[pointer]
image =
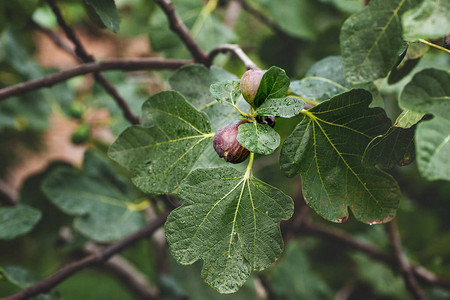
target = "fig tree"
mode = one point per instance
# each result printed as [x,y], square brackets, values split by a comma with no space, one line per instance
[227,146]
[249,85]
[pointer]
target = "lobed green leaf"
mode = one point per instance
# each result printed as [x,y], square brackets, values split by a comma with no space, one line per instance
[326,148]
[162,155]
[102,201]
[230,220]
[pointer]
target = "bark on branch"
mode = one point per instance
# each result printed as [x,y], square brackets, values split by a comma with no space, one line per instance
[236,50]
[178,27]
[68,270]
[87,58]
[404,266]
[132,64]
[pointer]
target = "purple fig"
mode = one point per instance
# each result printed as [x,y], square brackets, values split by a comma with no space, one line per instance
[249,85]
[227,146]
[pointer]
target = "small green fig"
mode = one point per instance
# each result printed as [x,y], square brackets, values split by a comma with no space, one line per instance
[227,146]
[249,85]
[81,134]
[76,110]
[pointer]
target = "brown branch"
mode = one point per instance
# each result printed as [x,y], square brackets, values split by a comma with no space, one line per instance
[7,195]
[132,64]
[70,269]
[178,27]
[134,279]
[56,40]
[87,58]
[404,266]
[340,237]
[236,50]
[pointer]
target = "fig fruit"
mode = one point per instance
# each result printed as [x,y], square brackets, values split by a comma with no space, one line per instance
[249,85]
[227,146]
[267,120]
[81,134]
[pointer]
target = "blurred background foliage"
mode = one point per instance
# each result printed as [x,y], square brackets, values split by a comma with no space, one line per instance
[36,131]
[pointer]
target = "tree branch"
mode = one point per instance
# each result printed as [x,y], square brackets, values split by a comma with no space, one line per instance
[340,237]
[236,50]
[87,58]
[68,270]
[403,264]
[132,64]
[178,27]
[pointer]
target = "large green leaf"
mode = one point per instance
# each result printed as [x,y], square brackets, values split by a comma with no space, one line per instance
[433,148]
[371,39]
[194,83]
[162,155]
[106,11]
[233,227]
[326,148]
[103,202]
[281,107]
[326,79]
[258,138]
[428,92]
[429,20]
[274,84]
[395,147]
[18,220]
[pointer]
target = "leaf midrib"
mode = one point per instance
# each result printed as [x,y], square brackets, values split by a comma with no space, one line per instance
[347,165]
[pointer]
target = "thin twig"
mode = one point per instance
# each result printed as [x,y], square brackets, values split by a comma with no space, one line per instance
[68,270]
[340,237]
[132,64]
[134,279]
[236,50]
[87,58]
[7,194]
[404,266]
[57,40]
[178,27]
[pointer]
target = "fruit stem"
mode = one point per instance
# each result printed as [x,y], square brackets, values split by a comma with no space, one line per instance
[240,111]
[309,101]
[308,114]
[249,166]
[434,45]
